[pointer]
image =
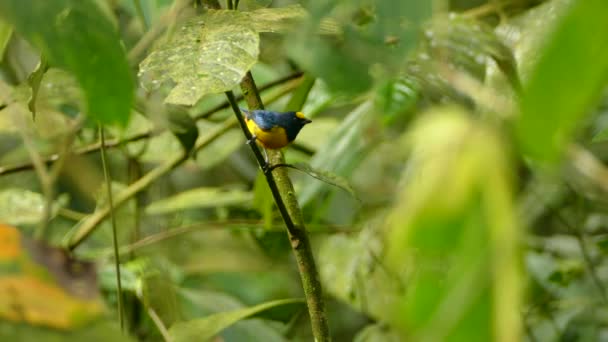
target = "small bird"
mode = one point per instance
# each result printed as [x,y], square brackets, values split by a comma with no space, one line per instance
[274,130]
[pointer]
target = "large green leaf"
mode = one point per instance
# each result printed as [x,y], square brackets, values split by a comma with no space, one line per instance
[211,53]
[77,35]
[454,233]
[362,34]
[570,74]
[205,328]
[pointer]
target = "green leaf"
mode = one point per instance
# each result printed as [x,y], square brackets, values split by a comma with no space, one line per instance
[344,149]
[324,176]
[209,54]
[395,97]
[263,201]
[567,80]
[6,31]
[454,222]
[468,44]
[219,149]
[200,198]
[382,37]
[205,328]
[376,333]
[183,126]
[19,206]
[77,35]
[34,81]
[275,19]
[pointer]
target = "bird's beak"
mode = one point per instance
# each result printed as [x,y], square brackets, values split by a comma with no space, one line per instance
[307,121]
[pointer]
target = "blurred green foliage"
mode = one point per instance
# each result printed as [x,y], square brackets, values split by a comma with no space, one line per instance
[472,134]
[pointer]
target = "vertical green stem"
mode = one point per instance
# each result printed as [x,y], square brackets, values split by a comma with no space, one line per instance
[286,201]
[108,181]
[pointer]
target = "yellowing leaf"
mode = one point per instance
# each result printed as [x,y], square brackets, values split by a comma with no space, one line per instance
[42,285]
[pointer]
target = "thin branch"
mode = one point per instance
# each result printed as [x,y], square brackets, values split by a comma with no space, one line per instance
[9,169]
[284,196]
[108,180]
[160,325]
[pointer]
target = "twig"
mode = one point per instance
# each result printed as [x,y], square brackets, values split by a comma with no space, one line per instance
[284,196]
[108,180]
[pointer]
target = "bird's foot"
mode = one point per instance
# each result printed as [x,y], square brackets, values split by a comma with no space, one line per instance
[252,140]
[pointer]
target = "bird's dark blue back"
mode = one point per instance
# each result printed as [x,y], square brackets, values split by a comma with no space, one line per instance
[266,120]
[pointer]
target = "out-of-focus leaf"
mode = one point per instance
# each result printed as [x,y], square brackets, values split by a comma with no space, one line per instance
[344,149]
[263,201]
[300,95]
[353,271]
[198,304]
[382,40]
[219,149]
[395,97]
[184,128]
[161,147]
[454,222]
[34,81]
[19,206]
[6,31]
[83,41]
[59,92]
[376,333]
[101,330]
[43,285]
[568,78]
[469,44]
[200,198]
[275,19]
[205,328]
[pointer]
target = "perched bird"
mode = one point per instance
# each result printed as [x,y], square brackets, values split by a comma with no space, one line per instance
[274,130]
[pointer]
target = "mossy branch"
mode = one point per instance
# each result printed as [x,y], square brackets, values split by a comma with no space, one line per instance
[284,196]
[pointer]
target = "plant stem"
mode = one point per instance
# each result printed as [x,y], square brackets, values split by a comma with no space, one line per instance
[108,181]
[286,201]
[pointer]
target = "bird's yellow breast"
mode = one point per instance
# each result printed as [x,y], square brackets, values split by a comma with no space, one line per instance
[275,138]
